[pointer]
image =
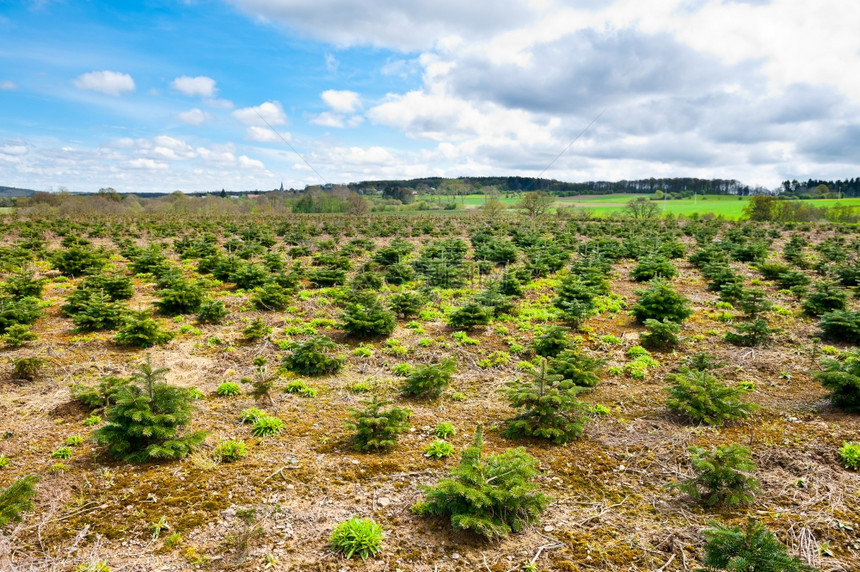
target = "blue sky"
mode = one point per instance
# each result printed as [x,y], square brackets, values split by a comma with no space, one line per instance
[159,96]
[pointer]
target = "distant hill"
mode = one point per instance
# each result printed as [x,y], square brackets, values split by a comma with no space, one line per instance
[7,192]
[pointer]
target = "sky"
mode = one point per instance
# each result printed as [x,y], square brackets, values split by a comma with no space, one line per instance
[200,95]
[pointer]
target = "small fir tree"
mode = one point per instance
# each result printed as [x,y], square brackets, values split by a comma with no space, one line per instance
[750,549]
[723,476]
[407,304]
[843,381]
[552,341]
[551,409]
[377,428]
[429,380]
[661,335]
[148,419]
[470,315]
[365,316]
[312,357]
[703,398]
[661,302]
[576,366]
[491,496]
[841,326]
[17,498]
[826,297]
[141,330]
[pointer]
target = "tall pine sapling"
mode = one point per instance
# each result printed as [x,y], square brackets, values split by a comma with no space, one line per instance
[490,496]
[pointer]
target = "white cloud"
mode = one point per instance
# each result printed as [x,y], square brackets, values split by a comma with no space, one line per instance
[147,164]
[200,86]
[7,85]
[247,163]
[13,149]
[327,119]
[264,134]
[193,116]
[341,101]
[331,63]
[400,25]
[270,111]
[109,82]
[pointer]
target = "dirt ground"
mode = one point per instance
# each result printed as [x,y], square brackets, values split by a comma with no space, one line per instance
[275,509]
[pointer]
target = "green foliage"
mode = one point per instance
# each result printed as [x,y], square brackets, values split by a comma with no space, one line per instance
[23,284]
[843,380]
[841,326]
[311,357]
[661,302]
[4,461]
[439,450]
[17,498]
[654,267]
[271,297]
[148,420]
[753,549]
[491,497]
[703,398]
[300,387]
[74,440]
[575,366]
[180,296]
[469,315]
[79,260]
[751,334]
[93,310]
[19,334]
[251,415]
[102,396]
[444,430]
[552,341]
[377,428]
[826,297]
[228,389]
[575,297]
[361,536]
[429,380]
[661,335]
[256,330]
[365,316]
[229,451]
[722,476]
[141,330]
[18,311]
[62,453]
[267,426]
[27,367]
[551,409]
[849,454]
[753,302]
[211,312]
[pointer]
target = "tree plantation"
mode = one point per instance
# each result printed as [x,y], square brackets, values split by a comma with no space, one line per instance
[455,391]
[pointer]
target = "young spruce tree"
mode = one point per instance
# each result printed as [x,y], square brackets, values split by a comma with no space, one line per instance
[491,496]
[148,419]
[551,409]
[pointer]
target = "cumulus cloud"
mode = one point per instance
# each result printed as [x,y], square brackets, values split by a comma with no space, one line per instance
[404,26]
[341,101]
[200,86]
[246,162]
[193,116]
[269,112]
[147,164]
[109,82]
[264,134]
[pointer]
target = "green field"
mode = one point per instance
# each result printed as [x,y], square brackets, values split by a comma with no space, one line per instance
[729,206]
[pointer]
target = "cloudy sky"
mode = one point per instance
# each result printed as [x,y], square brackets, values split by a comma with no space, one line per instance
[207,94]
